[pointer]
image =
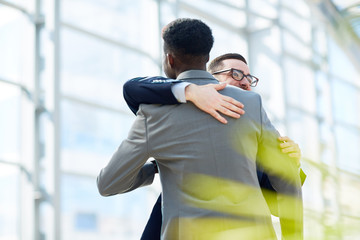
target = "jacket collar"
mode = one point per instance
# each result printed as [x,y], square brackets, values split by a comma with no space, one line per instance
[199,77]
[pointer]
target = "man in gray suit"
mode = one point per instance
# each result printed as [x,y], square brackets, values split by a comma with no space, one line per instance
[207,169]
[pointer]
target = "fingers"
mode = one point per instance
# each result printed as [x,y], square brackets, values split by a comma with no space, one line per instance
[232,101]
[226,111]
[228,99]
[285,138]
[233,108]
[218,117]
[208,99]
[291,148]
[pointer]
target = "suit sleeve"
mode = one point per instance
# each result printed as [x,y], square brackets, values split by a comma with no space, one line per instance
[123,172]
[148,90]
[284,177]
[144,178]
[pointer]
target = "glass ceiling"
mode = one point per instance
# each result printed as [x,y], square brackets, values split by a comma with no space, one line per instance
[350,11]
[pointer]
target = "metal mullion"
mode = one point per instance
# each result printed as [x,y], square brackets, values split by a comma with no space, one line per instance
[283,72]
[21,86]
[293,12]
[15,6]
[56,200]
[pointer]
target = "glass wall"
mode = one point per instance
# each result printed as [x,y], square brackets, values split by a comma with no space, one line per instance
[62,67]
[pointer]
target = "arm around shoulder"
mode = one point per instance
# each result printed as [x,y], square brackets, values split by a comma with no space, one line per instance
[148,90]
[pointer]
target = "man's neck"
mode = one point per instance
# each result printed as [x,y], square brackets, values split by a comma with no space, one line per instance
[188,68]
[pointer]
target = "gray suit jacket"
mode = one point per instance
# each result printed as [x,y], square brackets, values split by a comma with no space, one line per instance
[207,169]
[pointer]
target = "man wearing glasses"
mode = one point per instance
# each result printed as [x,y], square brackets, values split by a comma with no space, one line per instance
[236,71]
[229,68]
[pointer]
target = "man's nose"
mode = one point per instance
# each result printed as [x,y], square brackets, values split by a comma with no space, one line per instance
[244,83]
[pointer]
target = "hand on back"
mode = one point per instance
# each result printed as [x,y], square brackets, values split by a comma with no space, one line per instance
[207,99]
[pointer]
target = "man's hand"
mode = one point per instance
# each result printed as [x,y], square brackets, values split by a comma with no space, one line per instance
[207,99]
[291,148]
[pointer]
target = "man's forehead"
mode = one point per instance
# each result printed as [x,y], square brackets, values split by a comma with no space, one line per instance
[234,63]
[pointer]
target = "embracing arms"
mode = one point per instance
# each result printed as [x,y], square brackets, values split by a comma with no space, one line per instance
[159,90]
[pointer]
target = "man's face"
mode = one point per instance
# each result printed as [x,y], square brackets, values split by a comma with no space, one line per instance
[226,76]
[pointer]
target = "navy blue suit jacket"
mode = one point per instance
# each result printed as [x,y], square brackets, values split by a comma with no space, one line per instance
[157,90]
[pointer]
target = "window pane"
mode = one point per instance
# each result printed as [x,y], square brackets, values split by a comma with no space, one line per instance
[114,23]
[345,98]
[264,8]
[300,7]
[264,64]
[306,132]
[16,46]
[95,70]
[324,107]
[320,42]
[87,215]
[225,44]
[348,142]
[300,85]
[341,66]
[90,136]
[312,193]
[9,122]
[225,13]
[350,195]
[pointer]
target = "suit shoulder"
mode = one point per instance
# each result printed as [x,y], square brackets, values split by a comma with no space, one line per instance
[236,91]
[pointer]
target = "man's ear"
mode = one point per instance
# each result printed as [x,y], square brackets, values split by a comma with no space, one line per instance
[170,60]
[207,58]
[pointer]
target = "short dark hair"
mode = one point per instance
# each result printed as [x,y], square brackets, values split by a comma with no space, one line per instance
[217,62]
[188,37]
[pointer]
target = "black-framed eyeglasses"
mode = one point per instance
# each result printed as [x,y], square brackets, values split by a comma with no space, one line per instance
[239,75]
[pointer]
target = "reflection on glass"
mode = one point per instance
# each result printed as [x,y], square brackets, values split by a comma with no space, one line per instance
[9,122]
